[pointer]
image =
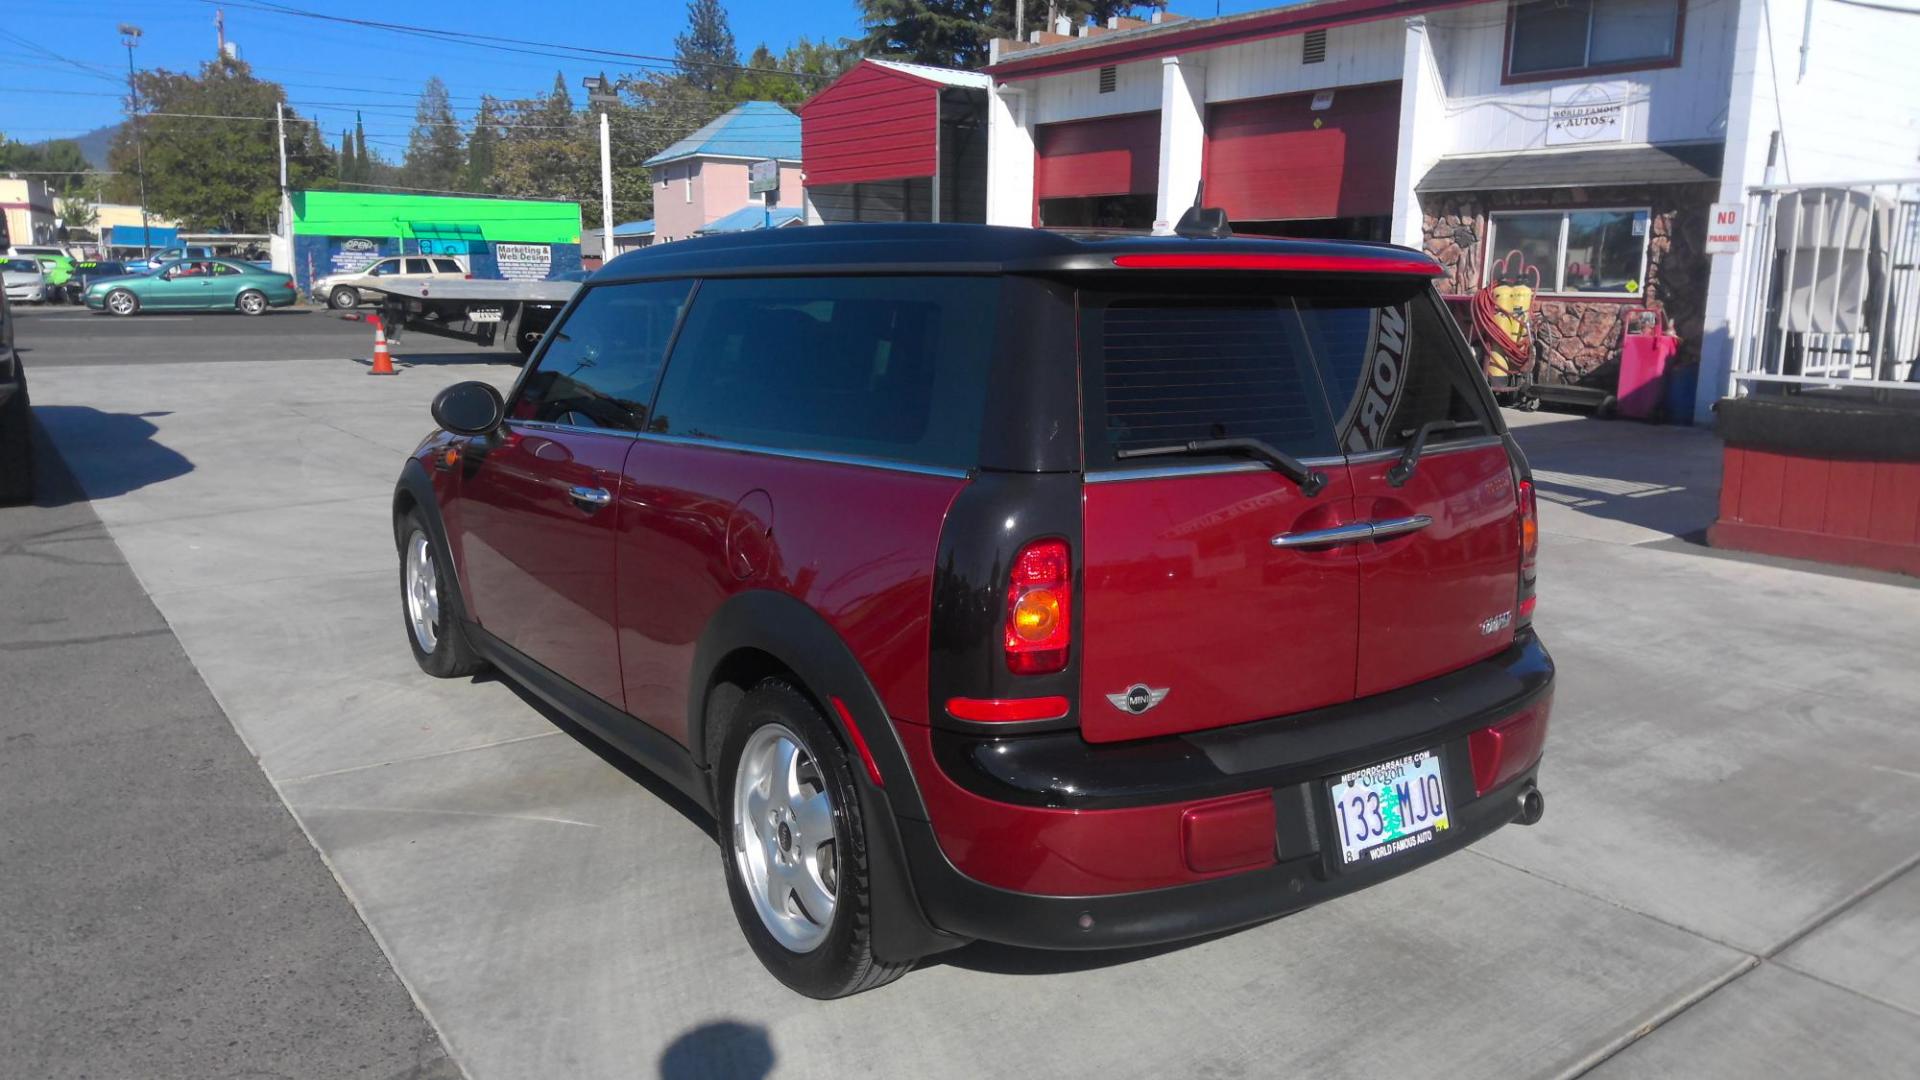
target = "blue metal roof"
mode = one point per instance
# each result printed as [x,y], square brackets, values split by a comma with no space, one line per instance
[749,218]
[634,228]
[129,236]
[753,129]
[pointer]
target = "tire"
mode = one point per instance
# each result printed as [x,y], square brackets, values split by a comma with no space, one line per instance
[343,297]
[429,604]
[123,302]
[821,960]
[251,302]
[16,445]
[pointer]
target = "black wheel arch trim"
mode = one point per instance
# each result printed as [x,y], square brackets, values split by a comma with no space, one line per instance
[805,644]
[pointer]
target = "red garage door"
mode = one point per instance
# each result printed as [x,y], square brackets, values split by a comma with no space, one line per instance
[1268,161]
[1114,155]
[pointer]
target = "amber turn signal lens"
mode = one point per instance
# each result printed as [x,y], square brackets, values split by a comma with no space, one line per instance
[1036,614]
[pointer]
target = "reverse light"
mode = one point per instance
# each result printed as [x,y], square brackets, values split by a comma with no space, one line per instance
[1039,609]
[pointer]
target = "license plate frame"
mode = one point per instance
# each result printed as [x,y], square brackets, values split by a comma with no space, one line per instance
[1389,807]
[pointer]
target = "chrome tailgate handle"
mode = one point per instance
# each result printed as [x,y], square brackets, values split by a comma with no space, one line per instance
[1400,526]
[1339,534]
[1351,533]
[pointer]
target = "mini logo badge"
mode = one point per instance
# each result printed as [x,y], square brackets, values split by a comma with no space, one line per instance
[1497,623]
[1138,698]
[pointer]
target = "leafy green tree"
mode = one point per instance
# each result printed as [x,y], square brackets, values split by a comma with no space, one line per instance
[705,55]
[793,76]
[216,173]
[62,161]
[436,156]
[955,33]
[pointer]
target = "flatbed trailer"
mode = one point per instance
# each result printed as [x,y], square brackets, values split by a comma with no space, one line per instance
[505,315]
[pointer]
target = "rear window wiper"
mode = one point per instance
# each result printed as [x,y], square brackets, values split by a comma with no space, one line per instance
[1310,480]
[1410,457]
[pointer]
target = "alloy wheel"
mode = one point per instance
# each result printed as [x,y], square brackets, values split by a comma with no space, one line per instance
[423,592]
[783,838]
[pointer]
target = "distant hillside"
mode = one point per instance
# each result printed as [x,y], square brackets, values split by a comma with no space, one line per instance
[93,144]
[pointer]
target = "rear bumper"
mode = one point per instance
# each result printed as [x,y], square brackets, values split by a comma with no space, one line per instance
[1047,841]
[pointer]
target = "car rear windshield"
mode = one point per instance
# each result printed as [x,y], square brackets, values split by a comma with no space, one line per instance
[1312,368]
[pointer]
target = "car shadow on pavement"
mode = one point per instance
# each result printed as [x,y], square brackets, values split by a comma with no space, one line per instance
[724,1048]
[119,449]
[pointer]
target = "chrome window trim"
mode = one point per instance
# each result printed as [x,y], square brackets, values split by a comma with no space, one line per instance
[1161,472]
[823,456]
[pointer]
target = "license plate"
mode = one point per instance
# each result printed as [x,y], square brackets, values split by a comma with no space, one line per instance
[485,315]
[1394,806]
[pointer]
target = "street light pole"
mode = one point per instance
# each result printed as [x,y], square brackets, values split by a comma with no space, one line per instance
[130,37]
[600,92]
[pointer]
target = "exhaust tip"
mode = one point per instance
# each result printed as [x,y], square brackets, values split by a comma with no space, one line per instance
[1533,807]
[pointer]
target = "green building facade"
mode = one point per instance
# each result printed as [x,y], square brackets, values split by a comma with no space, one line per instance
[514,239]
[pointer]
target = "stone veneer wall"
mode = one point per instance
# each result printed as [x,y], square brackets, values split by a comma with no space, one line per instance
[1578,341]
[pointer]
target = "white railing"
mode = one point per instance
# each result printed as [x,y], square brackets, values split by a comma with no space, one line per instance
[1832,286]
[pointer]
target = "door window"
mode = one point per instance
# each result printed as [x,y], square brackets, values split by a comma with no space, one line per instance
[1391,364]
[599,367]
[418,266]
[892,368]
[383,268]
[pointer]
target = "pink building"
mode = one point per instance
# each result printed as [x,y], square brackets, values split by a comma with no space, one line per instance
[703,177]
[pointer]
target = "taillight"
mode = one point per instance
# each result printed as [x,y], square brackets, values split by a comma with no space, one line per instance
[1529,552]
[1040,609]
[1505,750]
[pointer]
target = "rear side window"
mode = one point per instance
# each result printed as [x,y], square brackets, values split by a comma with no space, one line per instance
[891,368]
[600,366]
[1314,368]
[447,266]
[1390,365]
[418,266]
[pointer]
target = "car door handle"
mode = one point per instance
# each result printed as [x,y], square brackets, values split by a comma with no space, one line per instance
[1354,532]
[589,498]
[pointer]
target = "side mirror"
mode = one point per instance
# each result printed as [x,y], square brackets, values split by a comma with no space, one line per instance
[469,408]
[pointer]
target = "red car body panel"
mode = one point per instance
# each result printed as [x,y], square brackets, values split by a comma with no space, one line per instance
[697,525]
[1185,590]
[536,563]
[1441,598]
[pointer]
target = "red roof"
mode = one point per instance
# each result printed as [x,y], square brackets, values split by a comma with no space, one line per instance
[1189,35]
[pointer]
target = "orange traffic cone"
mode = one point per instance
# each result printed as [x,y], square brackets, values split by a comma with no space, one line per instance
[382,359]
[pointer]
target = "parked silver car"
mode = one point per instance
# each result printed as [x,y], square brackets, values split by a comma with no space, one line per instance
[24,279]
[345,290]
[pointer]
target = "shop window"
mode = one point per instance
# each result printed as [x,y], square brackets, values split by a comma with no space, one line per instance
[1124,212]
[1587,252]
[1548,38]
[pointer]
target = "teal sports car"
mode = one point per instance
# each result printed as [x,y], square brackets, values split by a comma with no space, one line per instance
[195,285]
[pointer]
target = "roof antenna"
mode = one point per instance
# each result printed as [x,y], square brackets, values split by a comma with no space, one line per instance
[1202,222]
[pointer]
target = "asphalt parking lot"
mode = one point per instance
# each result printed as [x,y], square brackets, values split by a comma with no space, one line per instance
[63,335]
[1724,885]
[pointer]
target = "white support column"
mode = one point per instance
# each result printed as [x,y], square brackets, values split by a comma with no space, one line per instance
[1010,156]
[1424,133]
[1183,137]
[1750,128]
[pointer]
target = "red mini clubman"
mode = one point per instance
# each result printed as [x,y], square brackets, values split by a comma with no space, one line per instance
[1001,584]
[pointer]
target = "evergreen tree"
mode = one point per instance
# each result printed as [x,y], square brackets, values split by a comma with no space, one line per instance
[436,159]
[481,145]
[705,54]
[362,161]
[349,165]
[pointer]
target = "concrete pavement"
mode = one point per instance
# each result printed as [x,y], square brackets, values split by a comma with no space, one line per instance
[1733,783]
[161,914]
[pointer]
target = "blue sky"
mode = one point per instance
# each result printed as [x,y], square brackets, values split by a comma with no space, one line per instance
[329,69]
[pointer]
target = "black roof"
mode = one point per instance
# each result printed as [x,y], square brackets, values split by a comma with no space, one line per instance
[1680,163]
[945,248]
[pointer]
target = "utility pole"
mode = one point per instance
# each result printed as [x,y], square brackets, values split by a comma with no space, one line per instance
[130,37]
[220,34]
[600,92]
